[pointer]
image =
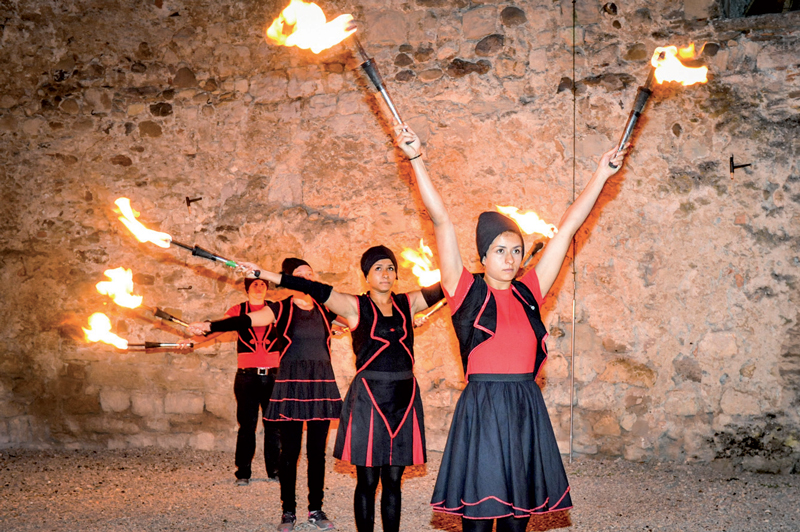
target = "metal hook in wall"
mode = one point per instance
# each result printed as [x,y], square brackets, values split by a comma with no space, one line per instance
[735,166]
[189,201]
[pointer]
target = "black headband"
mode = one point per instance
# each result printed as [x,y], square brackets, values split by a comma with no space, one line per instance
[373,255]
[250,280]
[491,225]
[291,264]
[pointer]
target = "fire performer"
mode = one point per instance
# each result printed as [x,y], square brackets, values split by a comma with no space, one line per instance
[381,428]
[255,377]
[305,388]
[501,461]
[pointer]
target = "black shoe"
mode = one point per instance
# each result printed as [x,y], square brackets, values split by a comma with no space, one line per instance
[287,522]
[273,478]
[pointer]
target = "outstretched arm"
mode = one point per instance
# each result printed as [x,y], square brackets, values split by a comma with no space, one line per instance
[556,250]
[258,318]
[450,263]
[345,305]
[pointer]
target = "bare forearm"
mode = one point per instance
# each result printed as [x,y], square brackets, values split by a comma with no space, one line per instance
[430,196]
[577,213]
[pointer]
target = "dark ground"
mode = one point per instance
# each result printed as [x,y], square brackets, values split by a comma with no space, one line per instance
[156,489]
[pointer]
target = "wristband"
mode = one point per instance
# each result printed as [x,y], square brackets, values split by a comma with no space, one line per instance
[433,294]
[234,323]
[320,292]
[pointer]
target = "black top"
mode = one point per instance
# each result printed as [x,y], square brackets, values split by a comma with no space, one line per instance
[384,343]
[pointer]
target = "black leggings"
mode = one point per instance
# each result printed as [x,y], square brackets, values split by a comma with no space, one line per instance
[364,500]
[504,524]
[291,439]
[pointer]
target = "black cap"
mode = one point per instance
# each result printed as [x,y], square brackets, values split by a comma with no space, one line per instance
[290,264]
[373,255]
[492,224]
[250,280]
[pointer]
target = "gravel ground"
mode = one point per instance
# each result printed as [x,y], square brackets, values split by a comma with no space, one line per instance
[155,489]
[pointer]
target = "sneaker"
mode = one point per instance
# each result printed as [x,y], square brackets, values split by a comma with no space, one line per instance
[287,522]
[318,519]
[242,481]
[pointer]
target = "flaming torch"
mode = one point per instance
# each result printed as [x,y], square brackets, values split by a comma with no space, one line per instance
[120,289]
[422,265]
[664,67]
[426,276]
[529,223]
[100,331]
[303,24]
[163,240]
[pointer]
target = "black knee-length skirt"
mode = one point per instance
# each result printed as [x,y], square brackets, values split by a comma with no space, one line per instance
[501,457]
[382,422]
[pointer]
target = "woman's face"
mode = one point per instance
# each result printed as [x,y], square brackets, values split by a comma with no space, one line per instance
[382,275]
[258,289]
[304,271]
[503,259]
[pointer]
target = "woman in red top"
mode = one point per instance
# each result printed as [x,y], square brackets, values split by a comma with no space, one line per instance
[501,461]
[257,366]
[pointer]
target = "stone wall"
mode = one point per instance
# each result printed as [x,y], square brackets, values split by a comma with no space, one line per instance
[687,343]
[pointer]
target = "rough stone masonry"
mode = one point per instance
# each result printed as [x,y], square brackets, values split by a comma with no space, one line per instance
[687,343]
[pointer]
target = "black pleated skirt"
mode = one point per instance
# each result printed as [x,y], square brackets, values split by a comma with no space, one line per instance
[501,457]
[305,390]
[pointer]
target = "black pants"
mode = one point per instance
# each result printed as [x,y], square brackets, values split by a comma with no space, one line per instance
[291,441]
[253,392]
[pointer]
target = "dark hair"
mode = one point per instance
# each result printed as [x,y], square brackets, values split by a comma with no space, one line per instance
[373,255]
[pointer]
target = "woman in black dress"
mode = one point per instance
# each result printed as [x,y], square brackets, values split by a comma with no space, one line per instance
[381,428]
[501,461]
[305,388]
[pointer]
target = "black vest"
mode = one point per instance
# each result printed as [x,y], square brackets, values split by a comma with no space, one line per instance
[280,336]
[475,321]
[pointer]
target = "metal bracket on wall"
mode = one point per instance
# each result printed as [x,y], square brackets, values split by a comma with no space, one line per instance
[735,166]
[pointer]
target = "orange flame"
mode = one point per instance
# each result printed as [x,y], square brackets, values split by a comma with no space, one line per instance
[120,288]
[100,331]
[422,264]
[141,233]
[303,24]
[529,222]
[670,68]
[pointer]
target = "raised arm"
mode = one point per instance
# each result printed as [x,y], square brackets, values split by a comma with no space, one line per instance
[556,250]
[450,263]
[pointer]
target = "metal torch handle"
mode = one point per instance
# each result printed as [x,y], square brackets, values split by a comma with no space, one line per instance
[371,70]
[169,317]
[638,108]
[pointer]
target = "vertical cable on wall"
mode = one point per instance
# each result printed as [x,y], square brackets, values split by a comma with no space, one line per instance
[574,247]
